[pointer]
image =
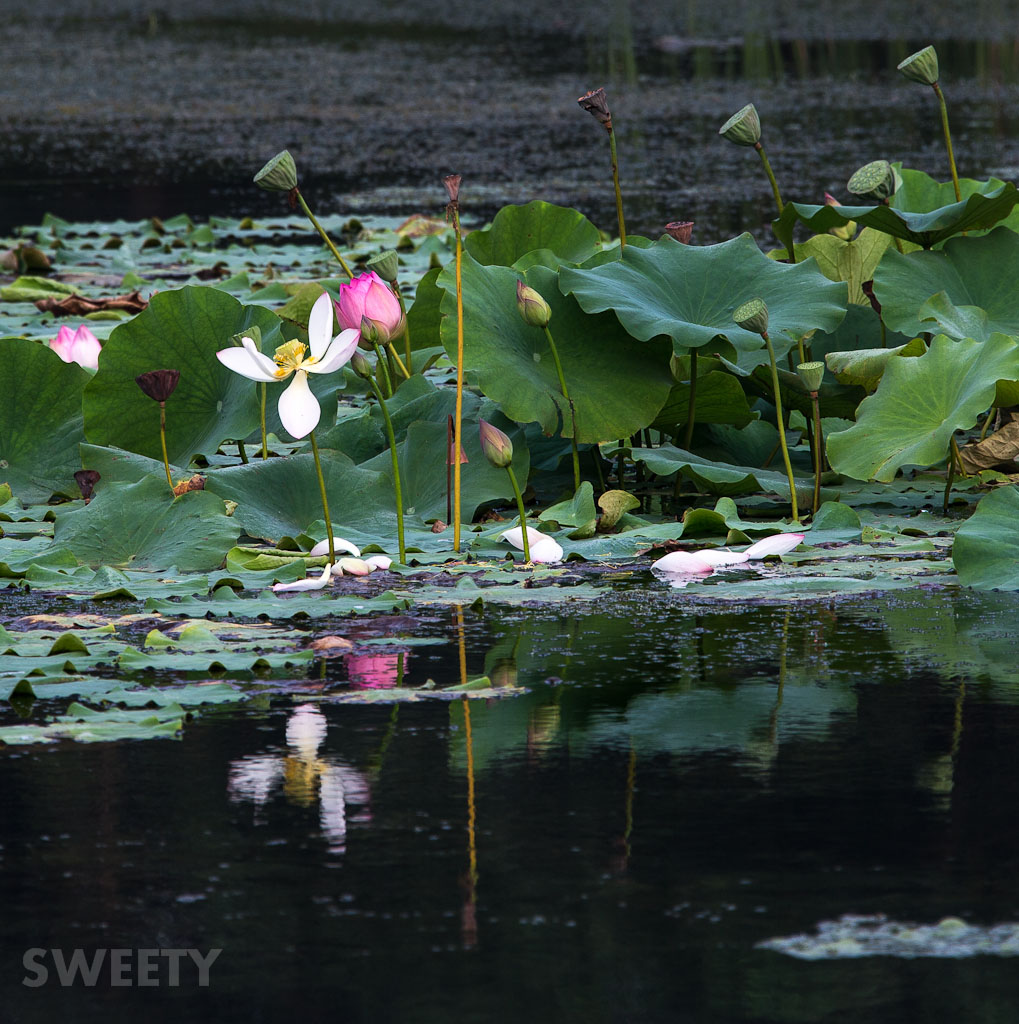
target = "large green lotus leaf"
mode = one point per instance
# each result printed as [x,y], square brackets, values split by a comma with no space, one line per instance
[518,230]
[919,192]
[860,329]
[956,321]
[142,526]
[865,367]
[689,292]
[179,330]
[40,419]
[617,384]
[115,465]
[980,272]
[423,315]
[920,403]
[978,211]
[853,261]
[719,399]
[986,548]
[422,458]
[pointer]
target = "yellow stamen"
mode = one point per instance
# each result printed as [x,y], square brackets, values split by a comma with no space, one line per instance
[290,355]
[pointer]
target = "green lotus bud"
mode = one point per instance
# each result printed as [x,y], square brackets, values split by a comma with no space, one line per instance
[744,127]
[360,365]
[386,264]
[922,66]
[533,308]
[811,374]
[279,174]
[752,316]
[370,333]
[676,368]
[496,445]
[875,181]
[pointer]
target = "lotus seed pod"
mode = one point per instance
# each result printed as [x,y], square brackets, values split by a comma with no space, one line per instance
[158,384]
[681,230]
[811,374]
[752,316]
[534,310]
[875,181]
[596,104]
[744,127]
[279,174]
[86,479]
[496,445]
[922,66]
[386,264]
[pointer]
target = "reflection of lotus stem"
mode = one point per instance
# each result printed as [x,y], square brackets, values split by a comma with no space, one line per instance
[325,500]
[265,443]
[162,441]
[395,356]
[619,194]
[472,817]
[948,140]
[391,437]
[409,368]
[781,426]
[322,231]
[631,785]
[818,448]
[691,405]
[383,370]
[241,452]
[573,411]
[375,763]
[520,509]
[790,252]
[458,415]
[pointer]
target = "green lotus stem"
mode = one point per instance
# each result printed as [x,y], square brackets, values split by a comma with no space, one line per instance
[458,414]
[987,423]
[620,461]
[520,510]
[322,231]
[265,443]
[619,193]
[818,449]
[596,454]
[790,248]
[691,407]
[162,441]
[395,357]
[406,329]
[383,369]
[391,437]
[948,140]
[325,499]
[573,411]
[241,452]
[781,425]
[949,482]
[958,458]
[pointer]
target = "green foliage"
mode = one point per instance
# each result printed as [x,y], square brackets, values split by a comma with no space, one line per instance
[518,230]
[986,549]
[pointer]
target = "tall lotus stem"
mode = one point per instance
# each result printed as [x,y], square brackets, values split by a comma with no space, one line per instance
[265,444]
[280,175]
[573,411]
[387,265]
[409,368]
[159,385]
[811,375]
[922,67]
[596,104]
[691,409]
[360,366]
[753,316]
[452,184]
[498,449]
[325,498]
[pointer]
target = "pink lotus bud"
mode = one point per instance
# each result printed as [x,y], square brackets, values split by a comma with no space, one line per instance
[533,308]
[367,296]
[496,445]
[80,346]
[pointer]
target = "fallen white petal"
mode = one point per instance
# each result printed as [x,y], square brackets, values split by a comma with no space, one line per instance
[779,544]
[686,562]
[378,562]
[719,557]
[339,544]
[515,537]
[546,550]
[355,566]
[306,584]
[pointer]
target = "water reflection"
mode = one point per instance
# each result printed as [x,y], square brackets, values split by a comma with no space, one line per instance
[306,778]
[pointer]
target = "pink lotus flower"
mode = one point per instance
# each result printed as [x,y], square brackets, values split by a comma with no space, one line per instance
[368,297]
[80,346]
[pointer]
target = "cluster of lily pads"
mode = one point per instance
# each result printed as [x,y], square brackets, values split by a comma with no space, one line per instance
[577,396]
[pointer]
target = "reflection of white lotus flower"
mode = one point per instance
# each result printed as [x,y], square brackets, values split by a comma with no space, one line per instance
[298,408]
[306,729]
[338,787]
[253,778]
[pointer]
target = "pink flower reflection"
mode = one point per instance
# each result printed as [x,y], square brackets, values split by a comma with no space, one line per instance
[376,671]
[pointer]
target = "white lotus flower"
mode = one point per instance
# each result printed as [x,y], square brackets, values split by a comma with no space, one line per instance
[543,547]
[298,407]
[311,583]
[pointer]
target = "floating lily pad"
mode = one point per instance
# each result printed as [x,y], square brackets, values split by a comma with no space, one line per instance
[986,550]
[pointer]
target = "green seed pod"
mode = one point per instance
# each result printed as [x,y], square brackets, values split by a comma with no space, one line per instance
[811,374]
[922,66]
[279,174]
[386,264]
[875,181]
[752,316]
[743,128]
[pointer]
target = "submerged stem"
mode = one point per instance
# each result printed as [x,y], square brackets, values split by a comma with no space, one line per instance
[781,427]
[325,499]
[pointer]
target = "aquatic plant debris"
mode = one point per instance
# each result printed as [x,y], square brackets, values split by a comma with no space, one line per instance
[858,935]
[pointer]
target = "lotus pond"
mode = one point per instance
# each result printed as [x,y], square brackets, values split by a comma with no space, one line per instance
[424,612]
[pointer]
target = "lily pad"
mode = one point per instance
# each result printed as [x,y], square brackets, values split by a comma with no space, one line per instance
[986,549]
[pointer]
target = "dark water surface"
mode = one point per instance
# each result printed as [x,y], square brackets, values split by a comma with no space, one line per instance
[680,783]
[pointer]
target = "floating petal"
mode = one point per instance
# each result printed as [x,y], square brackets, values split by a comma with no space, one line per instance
[339,544]
[687,562]
[307,584]
[778,544]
